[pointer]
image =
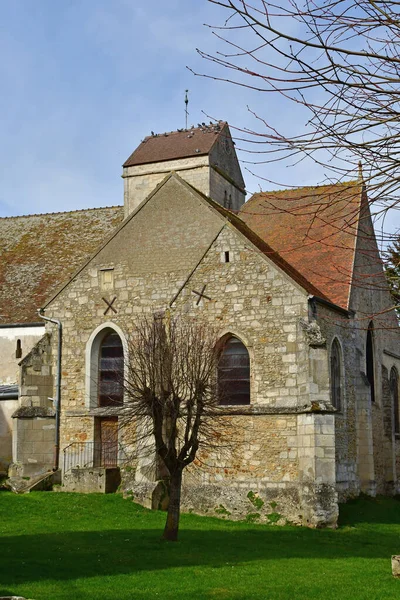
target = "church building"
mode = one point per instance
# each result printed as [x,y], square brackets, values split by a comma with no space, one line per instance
[291,281]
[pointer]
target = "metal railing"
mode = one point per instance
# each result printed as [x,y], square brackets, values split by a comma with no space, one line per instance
[81,455]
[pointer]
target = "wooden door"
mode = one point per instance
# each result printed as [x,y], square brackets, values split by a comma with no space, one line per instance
[109,441]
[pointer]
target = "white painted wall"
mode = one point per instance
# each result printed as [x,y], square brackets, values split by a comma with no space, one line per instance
[8,343]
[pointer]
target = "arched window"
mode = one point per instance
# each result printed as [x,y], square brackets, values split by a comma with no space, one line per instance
[234,373]
[370,359]
[394,392]
[110,371]
[336,375]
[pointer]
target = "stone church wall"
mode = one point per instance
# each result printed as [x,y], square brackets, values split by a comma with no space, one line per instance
[337,326]
[34,419]
[7,409]
[365,440]
[250,298]
[141,180]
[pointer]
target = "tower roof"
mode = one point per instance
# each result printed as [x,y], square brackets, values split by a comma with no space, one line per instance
[184,143]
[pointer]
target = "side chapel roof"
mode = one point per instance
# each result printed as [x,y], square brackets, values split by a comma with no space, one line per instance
[264,247]
[39,252]
[185,143]
[314,229]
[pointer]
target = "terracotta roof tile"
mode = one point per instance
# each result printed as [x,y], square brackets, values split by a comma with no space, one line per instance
[39,252]
[196,141]
[314,229]
[266,249]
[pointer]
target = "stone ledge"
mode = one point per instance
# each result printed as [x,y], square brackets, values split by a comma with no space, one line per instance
[314,407]
[30,412]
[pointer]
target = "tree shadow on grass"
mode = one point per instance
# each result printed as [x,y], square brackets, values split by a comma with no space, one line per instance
[368,510]
[72,555]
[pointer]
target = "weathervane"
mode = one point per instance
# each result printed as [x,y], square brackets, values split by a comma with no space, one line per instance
[186,108]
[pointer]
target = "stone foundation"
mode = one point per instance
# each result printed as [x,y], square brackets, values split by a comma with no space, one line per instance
[313,506]
[92,480]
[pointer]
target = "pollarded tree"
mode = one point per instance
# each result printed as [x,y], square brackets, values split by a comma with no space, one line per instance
[170,383]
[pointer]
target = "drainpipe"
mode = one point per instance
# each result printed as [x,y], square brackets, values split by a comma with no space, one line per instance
[58,387]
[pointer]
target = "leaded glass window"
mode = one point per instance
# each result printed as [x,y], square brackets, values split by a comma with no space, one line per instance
[111,370]
[234,373]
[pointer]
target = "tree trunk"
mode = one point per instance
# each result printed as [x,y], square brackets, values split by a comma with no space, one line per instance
[174,508]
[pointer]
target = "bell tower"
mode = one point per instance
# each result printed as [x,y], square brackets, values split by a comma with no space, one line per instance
[204,156]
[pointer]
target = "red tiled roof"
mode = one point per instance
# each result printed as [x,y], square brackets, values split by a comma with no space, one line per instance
[314,229]
[266,249]
[39,252]
[196,141]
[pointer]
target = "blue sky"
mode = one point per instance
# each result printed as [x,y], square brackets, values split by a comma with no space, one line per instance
[83,82]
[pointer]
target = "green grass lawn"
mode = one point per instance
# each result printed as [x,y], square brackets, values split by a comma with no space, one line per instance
[57,546]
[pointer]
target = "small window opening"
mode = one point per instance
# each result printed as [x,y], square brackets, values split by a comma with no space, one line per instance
[227,257]
[107,279]
[18,350]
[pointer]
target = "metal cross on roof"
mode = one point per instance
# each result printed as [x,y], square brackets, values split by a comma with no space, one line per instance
[201,295]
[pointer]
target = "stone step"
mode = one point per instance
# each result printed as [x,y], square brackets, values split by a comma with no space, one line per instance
[39,483]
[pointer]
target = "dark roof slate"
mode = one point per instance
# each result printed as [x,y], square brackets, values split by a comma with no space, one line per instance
[39,252]
[9,392]
[185,143]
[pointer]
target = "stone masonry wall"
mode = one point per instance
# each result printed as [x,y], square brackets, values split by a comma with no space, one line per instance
[36,377]
[155,263]
[223,191]
[141,180]
[34,443]
[337,326]
[34,426]
[371,301]
[364,435]
[7,408]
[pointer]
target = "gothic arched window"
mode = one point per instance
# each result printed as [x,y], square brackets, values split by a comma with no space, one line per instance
[336,375]
[370,359]
[234,373]
[111,371]
[394,392]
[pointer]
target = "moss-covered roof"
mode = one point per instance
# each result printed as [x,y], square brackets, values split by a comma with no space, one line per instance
[39,252]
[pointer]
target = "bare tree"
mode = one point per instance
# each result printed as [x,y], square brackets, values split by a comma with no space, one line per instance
[339,61]
[392,267]
[170,383]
